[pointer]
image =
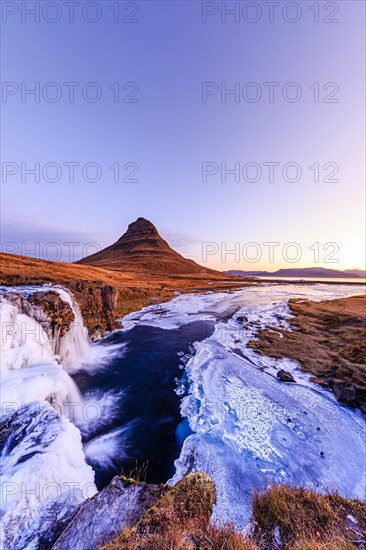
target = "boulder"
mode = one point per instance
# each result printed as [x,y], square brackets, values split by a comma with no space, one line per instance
[242,319]
[345,393]
[98,520]
[285,376]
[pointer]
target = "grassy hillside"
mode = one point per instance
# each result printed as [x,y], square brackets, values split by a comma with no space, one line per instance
[136,289]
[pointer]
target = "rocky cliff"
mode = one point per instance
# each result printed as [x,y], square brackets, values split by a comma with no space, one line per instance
[97,302]
[48,308]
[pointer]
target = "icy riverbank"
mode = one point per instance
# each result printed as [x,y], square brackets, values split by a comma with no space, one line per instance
[249,428]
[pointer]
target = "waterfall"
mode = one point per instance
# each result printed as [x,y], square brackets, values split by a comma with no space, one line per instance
[74,345]
[35,356]
[44,474]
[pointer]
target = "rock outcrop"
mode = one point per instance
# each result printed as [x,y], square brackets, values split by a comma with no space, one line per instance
[349,395]
[54,308]
[179,516]
[134,511]
[345,392]
[119,506]
[48,308]
[97,302]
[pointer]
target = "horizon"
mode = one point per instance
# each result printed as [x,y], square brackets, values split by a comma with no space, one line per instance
[40,253]
[177,134]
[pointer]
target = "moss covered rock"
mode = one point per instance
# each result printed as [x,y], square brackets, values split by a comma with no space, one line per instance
[180,516]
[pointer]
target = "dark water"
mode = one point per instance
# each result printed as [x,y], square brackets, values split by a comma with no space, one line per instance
[145,373]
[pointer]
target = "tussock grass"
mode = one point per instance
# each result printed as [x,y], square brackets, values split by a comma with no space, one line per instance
[224,538]
[181,514]
[305,520]
[284,517]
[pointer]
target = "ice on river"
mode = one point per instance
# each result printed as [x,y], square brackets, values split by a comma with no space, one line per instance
[43,475]
[249,428]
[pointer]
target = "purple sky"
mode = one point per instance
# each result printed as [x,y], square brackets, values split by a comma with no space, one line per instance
[177,136]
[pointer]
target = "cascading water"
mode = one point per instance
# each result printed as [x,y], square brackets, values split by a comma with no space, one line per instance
[30,370]
[41,450]
[73,347]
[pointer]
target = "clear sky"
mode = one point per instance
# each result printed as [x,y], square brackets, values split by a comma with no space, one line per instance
[181,134]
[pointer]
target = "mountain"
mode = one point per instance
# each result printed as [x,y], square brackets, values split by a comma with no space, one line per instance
[142,249]
[302,272]
[356,272]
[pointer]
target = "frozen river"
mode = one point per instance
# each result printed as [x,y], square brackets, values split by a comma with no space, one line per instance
[248,428]
[179,389]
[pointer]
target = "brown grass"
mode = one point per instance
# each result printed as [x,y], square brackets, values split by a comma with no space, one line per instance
[180,521]
[283,517]
[224,538]
[193,537]
[306,519]
[136,289]
[182,513]
[328,340]
[336,544]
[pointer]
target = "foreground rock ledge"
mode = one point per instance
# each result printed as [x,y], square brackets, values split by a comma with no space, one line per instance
[99,519]
[180,515]
[131,510]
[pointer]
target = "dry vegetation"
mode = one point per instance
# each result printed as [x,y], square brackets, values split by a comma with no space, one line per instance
[136,289]
[301,519]
[283,517]
[328,339]
[180,520]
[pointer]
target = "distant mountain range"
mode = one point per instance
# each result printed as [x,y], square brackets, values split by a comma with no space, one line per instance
[303,272]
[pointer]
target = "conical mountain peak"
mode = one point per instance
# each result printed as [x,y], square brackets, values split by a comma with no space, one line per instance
[140,228]
[142,249]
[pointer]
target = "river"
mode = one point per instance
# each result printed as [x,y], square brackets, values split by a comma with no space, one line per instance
[231,417]
[178,390]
